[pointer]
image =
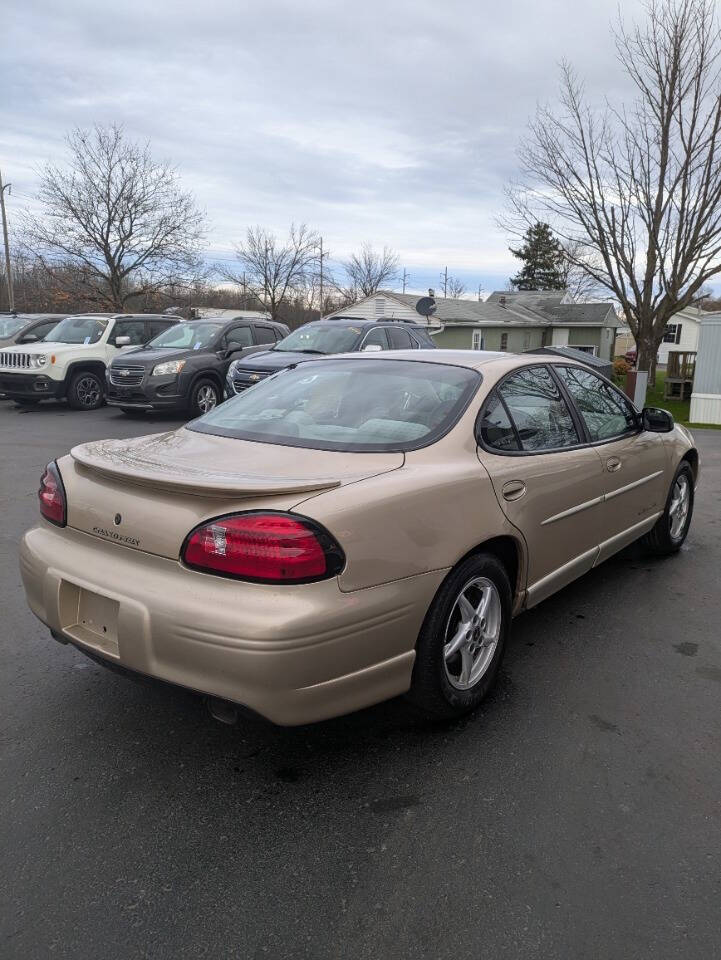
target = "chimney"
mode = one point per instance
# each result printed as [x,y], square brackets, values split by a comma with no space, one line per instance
[431,292]
[502,300]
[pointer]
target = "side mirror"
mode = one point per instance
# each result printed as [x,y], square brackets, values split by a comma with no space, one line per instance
[656,420]
[30,338]
[372,348]
[122,341]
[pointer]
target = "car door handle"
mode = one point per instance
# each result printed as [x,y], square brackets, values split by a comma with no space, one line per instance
[613,464]
[514,490]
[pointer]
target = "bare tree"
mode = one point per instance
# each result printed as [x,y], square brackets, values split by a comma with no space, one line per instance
[276,269]
[456,288]
[635,191]
[369,271]
[117,216]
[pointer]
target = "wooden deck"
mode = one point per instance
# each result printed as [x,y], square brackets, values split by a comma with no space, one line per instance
[680,370]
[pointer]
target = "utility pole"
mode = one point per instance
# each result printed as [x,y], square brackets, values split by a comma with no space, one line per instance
[406,277]
[320,310]
[480,291]
[444,281]
[8,274]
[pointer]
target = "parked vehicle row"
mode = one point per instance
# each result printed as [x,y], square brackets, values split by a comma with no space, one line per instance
[141,363]
[354,528]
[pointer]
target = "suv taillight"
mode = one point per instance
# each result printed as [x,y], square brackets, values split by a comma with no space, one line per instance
[264,547]
[53,505]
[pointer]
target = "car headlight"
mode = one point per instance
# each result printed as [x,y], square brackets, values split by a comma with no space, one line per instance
[231,369]
[170,366]
[39,360]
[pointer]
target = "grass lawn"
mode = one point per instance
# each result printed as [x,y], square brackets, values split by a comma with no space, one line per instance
[678,408]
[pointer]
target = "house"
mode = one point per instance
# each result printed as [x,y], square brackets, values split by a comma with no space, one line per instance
[681,334]
[517,321]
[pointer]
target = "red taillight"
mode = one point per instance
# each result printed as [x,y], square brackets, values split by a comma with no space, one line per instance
[52,495]
[264,547]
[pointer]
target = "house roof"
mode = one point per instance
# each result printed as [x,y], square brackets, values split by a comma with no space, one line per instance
[536,308]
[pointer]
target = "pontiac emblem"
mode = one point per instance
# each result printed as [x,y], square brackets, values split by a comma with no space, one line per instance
[125,373]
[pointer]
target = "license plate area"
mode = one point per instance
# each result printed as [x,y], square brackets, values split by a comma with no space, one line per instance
[90,618]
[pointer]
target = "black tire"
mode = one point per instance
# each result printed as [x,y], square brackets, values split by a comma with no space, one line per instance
[431,687]
[86,391]
[199,392]
[661,541]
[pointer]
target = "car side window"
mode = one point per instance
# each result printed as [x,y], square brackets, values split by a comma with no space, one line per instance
[135,329]
[400,339]
[604,410]
[496,427]
[264,334]
[376,337]
[541,416]
[237,338]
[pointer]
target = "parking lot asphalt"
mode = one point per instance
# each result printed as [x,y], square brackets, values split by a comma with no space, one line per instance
[577,815]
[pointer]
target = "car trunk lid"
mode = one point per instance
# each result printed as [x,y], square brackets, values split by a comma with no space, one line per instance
[149,492]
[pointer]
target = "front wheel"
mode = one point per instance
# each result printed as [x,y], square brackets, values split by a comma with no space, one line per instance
[462,641]
[671,528]
[204,397]
[86,391]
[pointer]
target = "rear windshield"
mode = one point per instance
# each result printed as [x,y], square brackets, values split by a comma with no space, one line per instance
[187,336]
[321,338]
[351,404]
[78,330]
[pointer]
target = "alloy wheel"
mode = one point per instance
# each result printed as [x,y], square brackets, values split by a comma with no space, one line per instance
[679,506]
[88,391]
[472,633]
[206,399]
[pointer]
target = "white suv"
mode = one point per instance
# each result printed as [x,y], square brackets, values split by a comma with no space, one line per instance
[71,361]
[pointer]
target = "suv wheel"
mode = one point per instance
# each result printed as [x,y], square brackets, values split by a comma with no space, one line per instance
[461,643]
[85,391]
[204,396]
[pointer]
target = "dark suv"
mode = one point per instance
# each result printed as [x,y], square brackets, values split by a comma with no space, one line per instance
[336,335]
[184,368]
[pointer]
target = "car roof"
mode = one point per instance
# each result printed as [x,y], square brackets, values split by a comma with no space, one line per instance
[473,359]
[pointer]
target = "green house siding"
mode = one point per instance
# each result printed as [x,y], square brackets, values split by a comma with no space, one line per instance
[518,338]
[585,337]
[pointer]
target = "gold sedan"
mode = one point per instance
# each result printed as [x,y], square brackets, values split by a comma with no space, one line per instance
[352,528]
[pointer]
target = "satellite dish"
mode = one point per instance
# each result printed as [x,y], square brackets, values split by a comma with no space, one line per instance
[426,306]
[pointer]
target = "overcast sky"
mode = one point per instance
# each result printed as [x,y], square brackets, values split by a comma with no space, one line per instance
[382,121]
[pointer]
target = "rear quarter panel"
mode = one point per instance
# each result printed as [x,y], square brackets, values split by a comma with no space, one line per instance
[424,517]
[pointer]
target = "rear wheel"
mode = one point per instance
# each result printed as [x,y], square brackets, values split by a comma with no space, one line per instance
[462,641]
[204,396]
[86,391]
[671,528]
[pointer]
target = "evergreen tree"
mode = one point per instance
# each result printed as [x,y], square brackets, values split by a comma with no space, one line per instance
[543,261]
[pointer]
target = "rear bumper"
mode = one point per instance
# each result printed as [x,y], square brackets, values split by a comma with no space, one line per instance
[293,654]
[30,385]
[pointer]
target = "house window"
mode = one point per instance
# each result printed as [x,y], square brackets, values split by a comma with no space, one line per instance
[585,349]
[380,306]
[504,341]
[673,333]
[477,341]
